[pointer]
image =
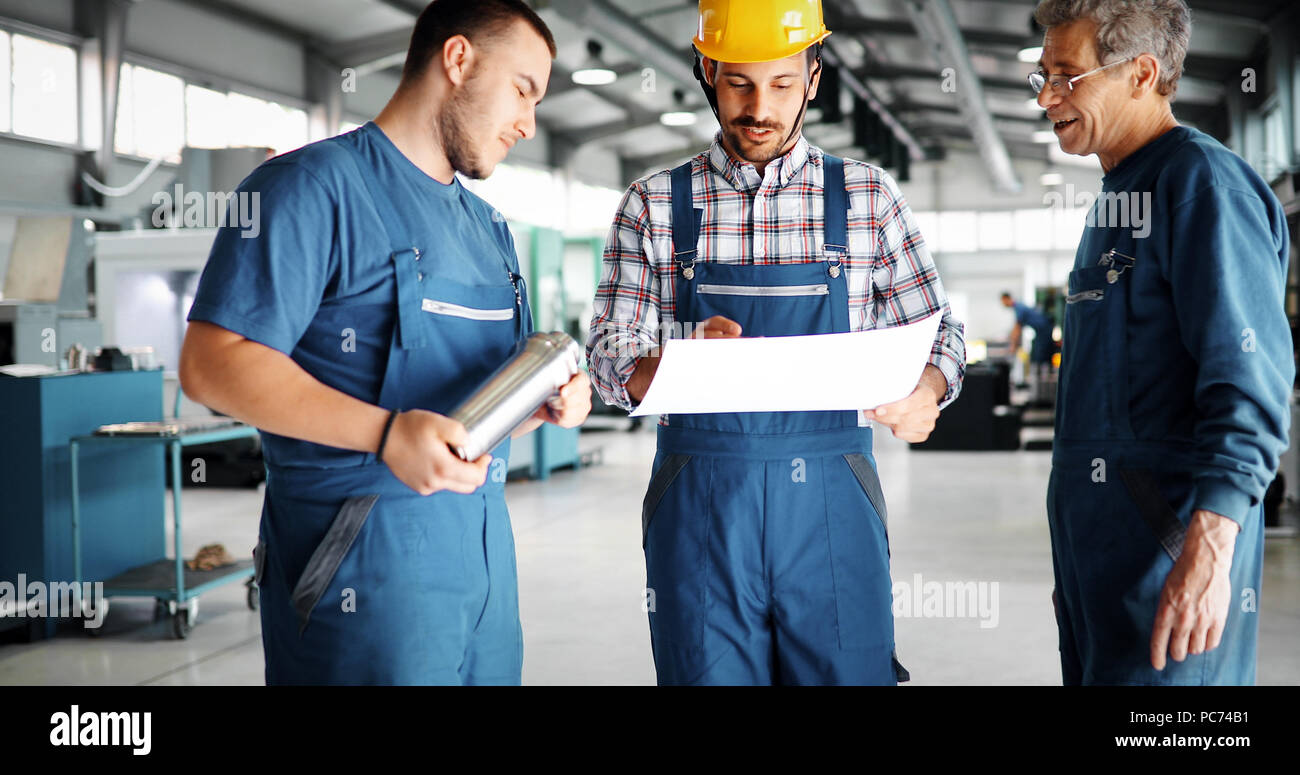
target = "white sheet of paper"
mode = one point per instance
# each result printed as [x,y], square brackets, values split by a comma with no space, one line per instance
[859,370]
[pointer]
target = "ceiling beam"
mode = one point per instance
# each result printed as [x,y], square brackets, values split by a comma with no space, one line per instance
[563,85]
[900,130]
[909,106]
[1234,9]
[937,25]
[637,117]
[1207,91]
[250,18]
[857,24]
[413,8]
[662,159]
[892,71]
[364,53]
[620,27]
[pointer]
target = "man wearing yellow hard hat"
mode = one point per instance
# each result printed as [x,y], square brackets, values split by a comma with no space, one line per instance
[764,532]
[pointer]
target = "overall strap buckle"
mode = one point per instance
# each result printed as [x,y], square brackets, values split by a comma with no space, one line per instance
[1118,264]
[835,213]
[686,220]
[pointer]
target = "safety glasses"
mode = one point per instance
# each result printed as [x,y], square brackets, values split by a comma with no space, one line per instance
[1062,85]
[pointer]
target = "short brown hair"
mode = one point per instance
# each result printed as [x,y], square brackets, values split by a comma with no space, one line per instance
[478,20]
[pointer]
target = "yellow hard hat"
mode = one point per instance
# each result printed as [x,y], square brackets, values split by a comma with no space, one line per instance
[740,31]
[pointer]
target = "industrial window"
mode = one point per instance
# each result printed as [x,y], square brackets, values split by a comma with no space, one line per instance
[590,209]
[124,125]
[252,122]
[1068,226]
[928,224]
[216,119]
[157,114]
[5,95]
[205,118]
[525,194]
[1033,229]
[1277,151]
[997,230]
[960,231]
[44,89]
[150,114]
[537,197]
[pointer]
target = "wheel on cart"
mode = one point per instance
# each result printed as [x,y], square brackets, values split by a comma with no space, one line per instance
[181,625]
[90,614]
[254,600]
[184,618]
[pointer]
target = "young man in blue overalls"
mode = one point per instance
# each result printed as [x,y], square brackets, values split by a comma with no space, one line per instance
[764,533]
[379,294]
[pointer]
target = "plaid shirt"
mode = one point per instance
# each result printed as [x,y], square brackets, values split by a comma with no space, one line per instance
[775,218]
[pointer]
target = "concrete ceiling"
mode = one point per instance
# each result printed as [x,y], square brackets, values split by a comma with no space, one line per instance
[877,40]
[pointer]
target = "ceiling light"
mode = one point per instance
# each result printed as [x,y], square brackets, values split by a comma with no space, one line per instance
[1051,179]
[679,116]
[594,71]
[1032,104]
[1030,54]
[1044,136]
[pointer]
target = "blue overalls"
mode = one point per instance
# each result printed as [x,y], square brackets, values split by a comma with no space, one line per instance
[1118,506]
[364,581]
[1041,350]
[767,560]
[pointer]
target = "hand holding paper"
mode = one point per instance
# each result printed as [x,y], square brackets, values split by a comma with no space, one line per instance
[790,373]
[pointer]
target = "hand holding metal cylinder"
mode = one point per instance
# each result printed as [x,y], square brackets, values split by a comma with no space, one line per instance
[541,365]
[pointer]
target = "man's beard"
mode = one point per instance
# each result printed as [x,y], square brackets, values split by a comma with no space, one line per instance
[456,133]
[763,153]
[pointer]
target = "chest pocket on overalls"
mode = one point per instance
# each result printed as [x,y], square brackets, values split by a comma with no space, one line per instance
[1087,286]
[426,303]
[1096,354]
[451,335]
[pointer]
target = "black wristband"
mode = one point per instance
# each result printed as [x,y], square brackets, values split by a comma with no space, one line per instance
[383,440]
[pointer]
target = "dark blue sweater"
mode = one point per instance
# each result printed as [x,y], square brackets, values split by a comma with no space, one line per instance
[1208,343]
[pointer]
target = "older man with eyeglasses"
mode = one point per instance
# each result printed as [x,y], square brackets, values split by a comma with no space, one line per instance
[1175,369]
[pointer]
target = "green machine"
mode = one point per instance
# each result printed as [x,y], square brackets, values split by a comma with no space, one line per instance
[541,261]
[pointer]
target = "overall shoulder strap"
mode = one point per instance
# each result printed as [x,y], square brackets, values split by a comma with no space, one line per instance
[835,206]
[399,238]
[686,217]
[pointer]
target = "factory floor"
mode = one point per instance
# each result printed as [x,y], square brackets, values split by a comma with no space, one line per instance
[954,517]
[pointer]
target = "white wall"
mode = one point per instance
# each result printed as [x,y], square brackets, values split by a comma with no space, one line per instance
[372,93]
[188,35]
[54,14]
[960,182]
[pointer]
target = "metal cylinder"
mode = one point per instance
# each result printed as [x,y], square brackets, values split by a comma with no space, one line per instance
[540,366]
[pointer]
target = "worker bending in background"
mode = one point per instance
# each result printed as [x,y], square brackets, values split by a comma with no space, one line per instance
[1043,347]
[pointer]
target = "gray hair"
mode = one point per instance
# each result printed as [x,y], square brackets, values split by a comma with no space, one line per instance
[1127,28]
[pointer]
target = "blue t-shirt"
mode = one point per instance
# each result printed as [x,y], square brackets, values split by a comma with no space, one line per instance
[1208,344]
[321,251]
[1034,318]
